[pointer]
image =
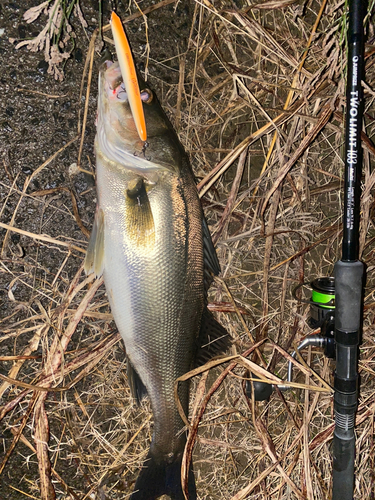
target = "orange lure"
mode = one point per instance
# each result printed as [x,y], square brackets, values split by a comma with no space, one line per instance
[129,74]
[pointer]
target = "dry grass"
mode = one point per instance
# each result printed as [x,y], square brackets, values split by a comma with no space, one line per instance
[260,111]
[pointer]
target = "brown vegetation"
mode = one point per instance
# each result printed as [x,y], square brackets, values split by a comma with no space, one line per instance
[259,107]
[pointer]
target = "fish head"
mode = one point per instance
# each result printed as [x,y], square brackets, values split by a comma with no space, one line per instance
[117,136]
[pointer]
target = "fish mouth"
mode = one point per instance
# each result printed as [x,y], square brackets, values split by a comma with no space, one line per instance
[114,85]
[117,136]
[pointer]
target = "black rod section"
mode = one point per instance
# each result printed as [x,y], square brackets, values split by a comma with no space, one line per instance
[353,128]
[349,270]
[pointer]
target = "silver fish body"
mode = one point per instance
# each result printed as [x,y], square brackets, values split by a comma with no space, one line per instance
[148,241]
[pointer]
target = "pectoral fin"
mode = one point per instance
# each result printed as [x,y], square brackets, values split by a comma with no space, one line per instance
[94,260]
[139,221]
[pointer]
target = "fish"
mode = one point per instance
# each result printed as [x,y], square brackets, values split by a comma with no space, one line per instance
[151,242]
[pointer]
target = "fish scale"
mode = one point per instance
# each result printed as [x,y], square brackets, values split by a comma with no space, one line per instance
[159,313]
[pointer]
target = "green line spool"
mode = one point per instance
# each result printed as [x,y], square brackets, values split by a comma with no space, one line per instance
[322,302]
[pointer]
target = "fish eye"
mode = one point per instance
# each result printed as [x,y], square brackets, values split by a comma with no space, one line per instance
[147,96]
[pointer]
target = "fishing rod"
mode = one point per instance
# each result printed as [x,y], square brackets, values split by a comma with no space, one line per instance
[336,302]
[349,270]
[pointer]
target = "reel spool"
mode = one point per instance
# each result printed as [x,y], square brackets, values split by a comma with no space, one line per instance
[322,303]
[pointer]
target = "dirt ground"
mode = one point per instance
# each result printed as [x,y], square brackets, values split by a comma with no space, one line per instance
[222,72]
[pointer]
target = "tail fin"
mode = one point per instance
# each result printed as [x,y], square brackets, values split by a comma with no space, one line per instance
[162,478]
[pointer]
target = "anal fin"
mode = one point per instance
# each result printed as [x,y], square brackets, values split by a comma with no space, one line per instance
[137,387]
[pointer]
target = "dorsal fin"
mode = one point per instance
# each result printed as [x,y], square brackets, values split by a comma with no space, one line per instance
[211,262]
[213,339]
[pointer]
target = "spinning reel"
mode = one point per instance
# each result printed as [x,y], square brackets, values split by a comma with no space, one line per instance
[322,315]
